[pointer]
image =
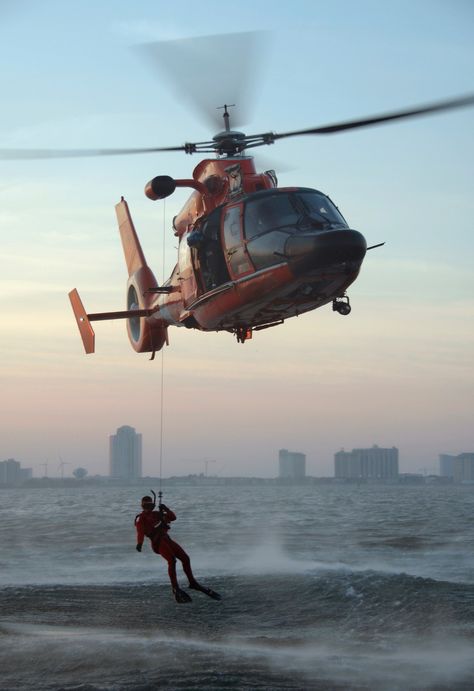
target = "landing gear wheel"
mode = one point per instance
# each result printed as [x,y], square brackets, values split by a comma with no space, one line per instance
[341,305]
[243,333]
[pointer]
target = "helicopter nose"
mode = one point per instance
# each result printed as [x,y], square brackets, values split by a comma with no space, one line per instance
[307,251]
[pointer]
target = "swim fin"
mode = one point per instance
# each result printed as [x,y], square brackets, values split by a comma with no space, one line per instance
[207,591]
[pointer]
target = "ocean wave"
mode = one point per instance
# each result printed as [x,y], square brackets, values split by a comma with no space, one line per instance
[142,659]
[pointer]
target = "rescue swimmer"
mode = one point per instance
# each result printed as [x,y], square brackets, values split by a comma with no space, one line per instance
[155,526]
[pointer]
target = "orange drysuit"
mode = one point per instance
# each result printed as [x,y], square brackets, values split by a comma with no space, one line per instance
[155,526]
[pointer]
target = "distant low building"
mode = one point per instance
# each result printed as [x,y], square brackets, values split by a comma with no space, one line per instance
[375,463]
[26,474]
[126,454]
[411,479]
[291,464]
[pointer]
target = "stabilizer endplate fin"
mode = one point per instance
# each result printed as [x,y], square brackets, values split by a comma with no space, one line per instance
[134,256]
[85,328]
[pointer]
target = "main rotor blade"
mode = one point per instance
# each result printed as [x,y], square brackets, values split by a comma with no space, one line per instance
[207,72]
[23,154]
[386,117]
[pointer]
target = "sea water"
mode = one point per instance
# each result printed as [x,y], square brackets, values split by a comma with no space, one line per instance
[323,587]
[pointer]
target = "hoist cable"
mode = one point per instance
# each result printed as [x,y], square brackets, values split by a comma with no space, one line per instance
[160,493]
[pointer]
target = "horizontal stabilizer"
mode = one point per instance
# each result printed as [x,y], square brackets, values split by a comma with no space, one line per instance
[84,320]
[85,328]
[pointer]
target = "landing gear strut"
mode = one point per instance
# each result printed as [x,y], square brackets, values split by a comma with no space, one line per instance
[341,305]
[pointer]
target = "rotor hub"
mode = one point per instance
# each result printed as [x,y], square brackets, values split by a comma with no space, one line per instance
[230,142]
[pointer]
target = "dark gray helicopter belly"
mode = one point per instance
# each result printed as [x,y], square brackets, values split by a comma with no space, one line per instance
[323,264]
[302,295]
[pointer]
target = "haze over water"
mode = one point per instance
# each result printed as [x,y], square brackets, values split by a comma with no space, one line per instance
[323,588]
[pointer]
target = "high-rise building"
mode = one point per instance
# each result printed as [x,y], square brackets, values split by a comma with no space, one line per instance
[10,472]
[126,454]
[446,465]
[291,464]
[463,468]
[375,463]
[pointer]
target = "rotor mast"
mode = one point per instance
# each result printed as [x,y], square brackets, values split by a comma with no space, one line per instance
[229,142]
[226,114]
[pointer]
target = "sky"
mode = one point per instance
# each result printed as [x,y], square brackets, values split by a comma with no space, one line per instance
[397,372]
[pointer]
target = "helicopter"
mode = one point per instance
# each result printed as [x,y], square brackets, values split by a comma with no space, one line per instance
[250,255]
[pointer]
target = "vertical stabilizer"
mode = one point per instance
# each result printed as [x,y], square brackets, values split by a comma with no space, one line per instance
[134,256]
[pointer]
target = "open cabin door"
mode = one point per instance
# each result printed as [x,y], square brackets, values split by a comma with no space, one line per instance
[238,260]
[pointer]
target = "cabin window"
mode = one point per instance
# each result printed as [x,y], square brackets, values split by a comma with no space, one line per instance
[232,226]
[184,256]
[237,256]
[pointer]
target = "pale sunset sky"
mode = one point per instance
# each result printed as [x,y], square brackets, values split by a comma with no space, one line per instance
[397,372]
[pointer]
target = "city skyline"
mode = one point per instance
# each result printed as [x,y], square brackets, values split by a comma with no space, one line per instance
[360,465]
[398,370]
[284,465]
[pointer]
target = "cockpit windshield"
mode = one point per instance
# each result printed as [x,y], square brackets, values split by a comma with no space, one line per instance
[290,210]
[320,208]
[269,212]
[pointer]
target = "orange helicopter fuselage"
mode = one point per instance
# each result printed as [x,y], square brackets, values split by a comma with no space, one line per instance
[250,256]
